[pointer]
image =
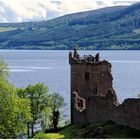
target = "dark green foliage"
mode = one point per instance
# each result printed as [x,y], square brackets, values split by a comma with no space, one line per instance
[37,94]
[48,118]
[3,70]
[139,95]
[22,108]
[42,105]
[107,28]
[111,130]
[14,111]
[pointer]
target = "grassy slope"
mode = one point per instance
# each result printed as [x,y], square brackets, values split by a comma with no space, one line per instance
[112,130]
[5,29]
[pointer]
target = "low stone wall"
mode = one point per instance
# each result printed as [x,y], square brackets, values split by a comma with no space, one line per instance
[128,113]
[99,108]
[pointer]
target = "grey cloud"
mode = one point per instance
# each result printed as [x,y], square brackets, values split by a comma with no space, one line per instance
[9,15]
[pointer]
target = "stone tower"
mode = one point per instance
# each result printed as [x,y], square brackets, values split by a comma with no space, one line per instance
[90,77]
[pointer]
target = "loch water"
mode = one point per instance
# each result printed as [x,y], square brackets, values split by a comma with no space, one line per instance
[52,68]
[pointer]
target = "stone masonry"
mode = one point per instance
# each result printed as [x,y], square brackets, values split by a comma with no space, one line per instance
[93,98]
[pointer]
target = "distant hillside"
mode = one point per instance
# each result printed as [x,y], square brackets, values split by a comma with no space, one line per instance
[107,28]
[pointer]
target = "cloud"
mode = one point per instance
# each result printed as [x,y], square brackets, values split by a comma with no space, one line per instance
[23,9]
[29,10]
[108,2]
[76,5]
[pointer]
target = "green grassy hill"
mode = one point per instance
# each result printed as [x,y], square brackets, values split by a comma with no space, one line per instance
[107,28]
[109,130]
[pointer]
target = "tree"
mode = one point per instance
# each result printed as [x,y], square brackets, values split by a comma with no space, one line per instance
[14,111]
[46,121]
[52,115]
[22,108]
[3,70]
[37,94]
[21,93]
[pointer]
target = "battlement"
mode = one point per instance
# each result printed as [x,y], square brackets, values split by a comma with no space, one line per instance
[75,58]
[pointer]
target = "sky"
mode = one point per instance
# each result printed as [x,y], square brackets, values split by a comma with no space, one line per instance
[36,10]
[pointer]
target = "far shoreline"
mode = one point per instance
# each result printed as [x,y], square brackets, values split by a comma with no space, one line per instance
[17,49]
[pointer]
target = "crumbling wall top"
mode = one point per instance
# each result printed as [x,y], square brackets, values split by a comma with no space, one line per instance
[75,58]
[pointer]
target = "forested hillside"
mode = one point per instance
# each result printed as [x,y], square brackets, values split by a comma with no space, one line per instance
[107,28]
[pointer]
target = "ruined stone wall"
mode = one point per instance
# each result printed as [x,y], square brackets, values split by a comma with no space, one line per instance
[89,77]
[100,80]
[128,113]
[90,104]
[101,108]
[97,82]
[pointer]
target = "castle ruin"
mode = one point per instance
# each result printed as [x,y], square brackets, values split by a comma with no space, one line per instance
[93,98]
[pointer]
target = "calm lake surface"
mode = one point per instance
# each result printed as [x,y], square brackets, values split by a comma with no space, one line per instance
[52,68]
